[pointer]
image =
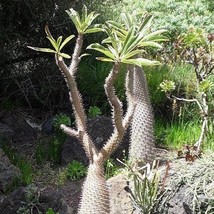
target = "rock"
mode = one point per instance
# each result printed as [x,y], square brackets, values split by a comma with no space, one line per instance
[47,126]
[25,199]
[6,133]
[22,130]
[119,198]
[8,173]
[100,129]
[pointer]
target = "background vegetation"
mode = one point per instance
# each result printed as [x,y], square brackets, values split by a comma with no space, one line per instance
[30,79]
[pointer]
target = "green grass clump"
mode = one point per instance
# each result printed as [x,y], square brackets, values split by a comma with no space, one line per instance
[24,165]
[175,135]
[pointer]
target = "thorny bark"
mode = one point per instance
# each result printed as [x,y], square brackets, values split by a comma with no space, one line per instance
[76,101]
[93,203]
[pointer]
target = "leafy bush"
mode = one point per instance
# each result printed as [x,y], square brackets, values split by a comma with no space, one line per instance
[55,145]
[76,170]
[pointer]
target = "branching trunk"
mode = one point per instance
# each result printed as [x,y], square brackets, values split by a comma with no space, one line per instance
[95,194]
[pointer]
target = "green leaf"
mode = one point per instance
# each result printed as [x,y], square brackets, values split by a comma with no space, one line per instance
[59,40]
[107,40]
[117,26]
[75,18]
[47,50]
[104,59]
[141,62]
[132,53]
[152,35]
[66,41]
[113,51]
[128,20]
[84,13]
[146,23]
[91,18]
[48,33]
[93,30]
[64,55]
[85,54]
[54,43]
[150,44]
[101,49]
[128,41]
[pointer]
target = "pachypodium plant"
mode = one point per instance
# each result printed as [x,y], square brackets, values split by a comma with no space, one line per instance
[127,41]
[198,50]
[123,44]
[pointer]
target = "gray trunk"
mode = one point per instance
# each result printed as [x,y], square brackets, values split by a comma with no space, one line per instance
[142,136]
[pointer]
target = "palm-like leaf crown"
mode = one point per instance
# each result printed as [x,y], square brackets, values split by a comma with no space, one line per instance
[83,25]
[125,42]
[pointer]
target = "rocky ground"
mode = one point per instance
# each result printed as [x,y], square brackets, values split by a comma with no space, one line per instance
[23,130]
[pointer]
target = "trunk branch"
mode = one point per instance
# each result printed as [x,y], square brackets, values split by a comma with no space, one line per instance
[76,100]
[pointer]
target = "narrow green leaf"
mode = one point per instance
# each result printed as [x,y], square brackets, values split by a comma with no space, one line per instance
[141,62]
[93,30]
[151,35]
[106,41]
[64,55]
[85,54]
[91,17]
[113,51]
[47,50]
[132,53]
[59,40]
[101,49]
[159,38]
[146,23]
[117,26]
[75,18]
[66,41]
[84,13]
[104,59]
[128,40]
[48,33]
[128,20]
[150,44]
[54,43]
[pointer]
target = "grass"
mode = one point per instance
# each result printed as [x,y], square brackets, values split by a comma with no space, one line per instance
[175,135]
[24,165]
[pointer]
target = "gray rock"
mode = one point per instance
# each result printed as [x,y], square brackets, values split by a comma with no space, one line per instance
[8,173]
[6,133]
[100,129]
[34,198]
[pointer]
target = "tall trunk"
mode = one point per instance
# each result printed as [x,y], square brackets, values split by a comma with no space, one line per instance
[95,194]
[142,135]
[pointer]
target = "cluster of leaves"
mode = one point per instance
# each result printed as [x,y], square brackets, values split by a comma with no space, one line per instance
[76,170]
[94,111]
[146,187]
[125,41]
[73,171]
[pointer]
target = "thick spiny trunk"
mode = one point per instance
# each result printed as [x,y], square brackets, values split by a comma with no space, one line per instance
[142,136]
[95,195]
